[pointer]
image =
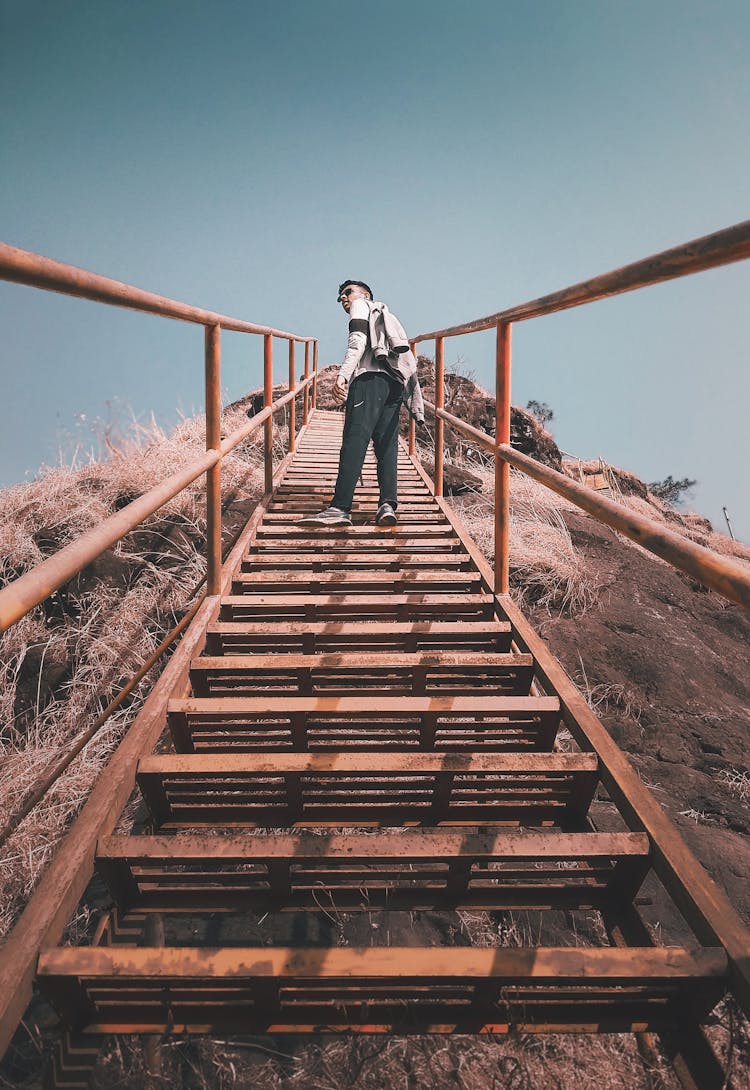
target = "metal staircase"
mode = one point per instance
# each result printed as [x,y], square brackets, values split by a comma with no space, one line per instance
[363,734]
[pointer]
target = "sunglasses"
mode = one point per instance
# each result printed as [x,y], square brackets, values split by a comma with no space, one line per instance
[345,294]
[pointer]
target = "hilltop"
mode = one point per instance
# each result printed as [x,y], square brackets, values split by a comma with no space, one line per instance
[663,661]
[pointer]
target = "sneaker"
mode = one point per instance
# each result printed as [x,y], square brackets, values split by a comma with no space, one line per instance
[386,516]
[330,516]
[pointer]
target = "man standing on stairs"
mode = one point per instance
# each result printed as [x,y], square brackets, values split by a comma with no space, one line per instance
[379,372]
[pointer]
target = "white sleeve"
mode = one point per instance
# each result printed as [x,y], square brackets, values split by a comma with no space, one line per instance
[355,349]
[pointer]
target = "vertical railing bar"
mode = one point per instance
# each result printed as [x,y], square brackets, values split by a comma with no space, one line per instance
[267,400]
[502,469]
[412,428]
[439,404]
[315,374]
[306,393]
[292,388]
[213,475]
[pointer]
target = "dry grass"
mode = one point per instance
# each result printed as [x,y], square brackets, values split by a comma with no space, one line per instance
[523,1062]
[60,666]
[737,781]
[545,567]
[100,634]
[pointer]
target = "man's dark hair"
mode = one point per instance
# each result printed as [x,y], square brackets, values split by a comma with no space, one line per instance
[356,284]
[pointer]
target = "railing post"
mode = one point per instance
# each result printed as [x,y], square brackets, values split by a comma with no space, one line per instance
[306,394]
[292,388]
[502,469]
[412,429]
[439,403]
[267,401]
[315,376]
[213,475]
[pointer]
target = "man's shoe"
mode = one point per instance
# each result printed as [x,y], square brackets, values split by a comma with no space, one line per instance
[386,516]
[330,516]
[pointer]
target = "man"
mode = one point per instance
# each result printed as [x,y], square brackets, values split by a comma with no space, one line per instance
[378,373]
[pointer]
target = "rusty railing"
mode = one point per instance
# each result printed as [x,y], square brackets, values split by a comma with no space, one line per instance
[23,267]
[730,578]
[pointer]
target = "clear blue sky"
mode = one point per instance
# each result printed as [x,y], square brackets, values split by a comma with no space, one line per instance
[247,156]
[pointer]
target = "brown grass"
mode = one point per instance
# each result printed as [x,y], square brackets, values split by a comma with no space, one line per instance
[545,567]
[525,1062]
[103,630]
[98,632]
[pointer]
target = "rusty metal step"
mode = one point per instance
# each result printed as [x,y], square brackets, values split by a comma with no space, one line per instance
[417,869]
[430,673]
[408,514]
[380,989]
[317,560]
[280,533]
[356,582]
[365,722]
[72,1061]
[314,607]
[335,541]
[284,790]
[244,637]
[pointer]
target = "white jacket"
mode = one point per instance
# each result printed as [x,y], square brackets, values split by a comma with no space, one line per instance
[386,348]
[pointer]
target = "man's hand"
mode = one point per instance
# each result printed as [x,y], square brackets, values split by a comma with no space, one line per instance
[340,390]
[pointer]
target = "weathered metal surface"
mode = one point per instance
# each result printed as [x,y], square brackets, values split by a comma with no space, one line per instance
[376,989]
[704,906]
[709,252]
[373,719]
[720,573]
[20,596]
[293,403]
[55,898]
[213,475]
[502,475]
[267,682]
[415,869]
[267,402]
[306,394]
[310,637]
[25,267]
[281,790]
[439,401]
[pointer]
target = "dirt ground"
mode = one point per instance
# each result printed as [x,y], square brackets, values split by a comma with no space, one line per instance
[666,664]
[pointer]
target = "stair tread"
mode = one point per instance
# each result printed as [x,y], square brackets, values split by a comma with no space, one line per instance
[363,764]
[427,844]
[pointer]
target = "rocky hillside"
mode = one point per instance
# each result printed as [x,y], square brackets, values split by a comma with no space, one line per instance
[663,662]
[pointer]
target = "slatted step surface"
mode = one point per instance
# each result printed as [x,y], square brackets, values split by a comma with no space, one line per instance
[446,724]
[313,607]
[326,637]
[401,990]
[416,869]
[383,788]
[362,735]
[356,582]
[405,674]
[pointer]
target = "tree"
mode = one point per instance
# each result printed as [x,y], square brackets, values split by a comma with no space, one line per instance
[541,412]
[671,490]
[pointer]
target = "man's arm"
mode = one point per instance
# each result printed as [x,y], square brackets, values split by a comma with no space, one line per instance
[359,315]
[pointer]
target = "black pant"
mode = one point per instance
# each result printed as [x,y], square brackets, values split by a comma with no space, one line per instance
[372,410]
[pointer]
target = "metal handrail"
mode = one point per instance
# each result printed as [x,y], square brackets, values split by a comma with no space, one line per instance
[34,270]
[708,252]
[718,572]
[711,251]
[32,588]
[25,267]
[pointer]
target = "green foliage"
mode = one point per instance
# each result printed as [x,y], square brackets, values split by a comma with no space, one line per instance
[671,490]
[541,412]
